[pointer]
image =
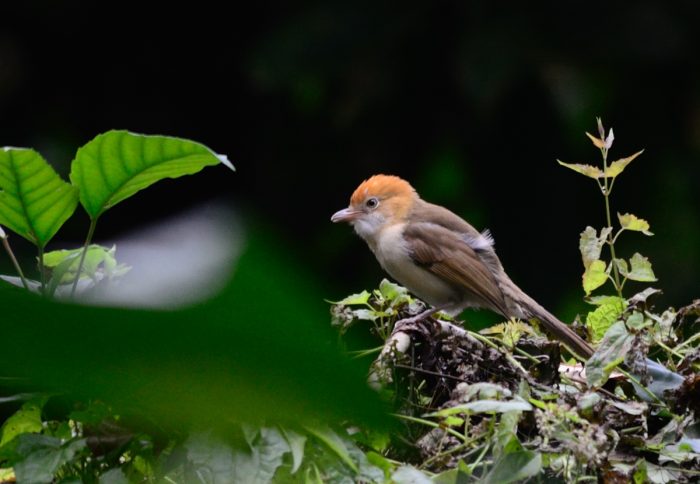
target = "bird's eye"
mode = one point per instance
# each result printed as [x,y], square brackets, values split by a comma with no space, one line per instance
[372,202]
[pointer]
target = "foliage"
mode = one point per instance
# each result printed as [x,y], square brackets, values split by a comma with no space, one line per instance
[108,394]
[501,406]
[229,402]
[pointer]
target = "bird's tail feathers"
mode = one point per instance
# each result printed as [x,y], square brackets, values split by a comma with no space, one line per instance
[526,307]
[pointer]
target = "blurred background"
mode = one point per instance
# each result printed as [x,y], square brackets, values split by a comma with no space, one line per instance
[472,102]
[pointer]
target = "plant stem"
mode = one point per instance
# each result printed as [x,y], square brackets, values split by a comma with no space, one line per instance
[42,273]
[88,239]
[607,189]
[435,425]
[6,244]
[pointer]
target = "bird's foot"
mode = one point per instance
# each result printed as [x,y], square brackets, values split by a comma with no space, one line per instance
[410,323]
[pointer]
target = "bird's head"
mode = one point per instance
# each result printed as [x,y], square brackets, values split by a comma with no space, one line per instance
[379,202]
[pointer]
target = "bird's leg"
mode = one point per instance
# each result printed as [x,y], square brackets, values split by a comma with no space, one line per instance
[417,318]
[408,324]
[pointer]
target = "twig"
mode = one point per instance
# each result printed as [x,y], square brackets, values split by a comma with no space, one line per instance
[8,249]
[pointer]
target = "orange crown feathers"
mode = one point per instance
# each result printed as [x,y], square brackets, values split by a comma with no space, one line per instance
[382,187]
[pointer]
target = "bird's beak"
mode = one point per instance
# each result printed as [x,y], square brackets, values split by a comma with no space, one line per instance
[345,215]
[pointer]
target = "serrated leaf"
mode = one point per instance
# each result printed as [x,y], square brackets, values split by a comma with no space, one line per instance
[117,164]
[510,331]
[618,166]
[610,353]
[25,420]
[34,200]
[599,320]
[587,170]
[632,222]
[591,244]
[391,290]
[640,269]
[355,299]
[594,277]
[599,143]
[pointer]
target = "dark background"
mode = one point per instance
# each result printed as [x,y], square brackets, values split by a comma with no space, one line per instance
[472,103]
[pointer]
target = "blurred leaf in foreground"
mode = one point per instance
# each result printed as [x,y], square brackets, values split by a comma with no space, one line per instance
[261,350]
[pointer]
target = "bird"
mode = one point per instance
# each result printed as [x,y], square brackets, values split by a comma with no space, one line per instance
[440,258]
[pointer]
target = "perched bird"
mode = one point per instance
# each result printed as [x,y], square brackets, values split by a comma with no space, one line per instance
[441,258]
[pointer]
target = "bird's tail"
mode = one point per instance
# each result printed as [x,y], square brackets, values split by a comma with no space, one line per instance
[526,307]
[563,332]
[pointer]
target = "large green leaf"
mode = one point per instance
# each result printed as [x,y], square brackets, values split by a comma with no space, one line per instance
[117,164]
[263,350]
[610,353]
[34,200]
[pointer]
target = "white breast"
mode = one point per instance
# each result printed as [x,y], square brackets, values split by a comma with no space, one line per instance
[392,254]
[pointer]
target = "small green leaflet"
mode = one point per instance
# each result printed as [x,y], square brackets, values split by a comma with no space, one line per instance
[614,169]
[631,222]
[587,170]
[640,269]
[595,276]
[354,299]
[591,244]
[618,166]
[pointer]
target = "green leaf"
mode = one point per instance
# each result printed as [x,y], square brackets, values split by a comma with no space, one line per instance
[296,443]
[618,166]
[591,244]
[25,420]
[34,200]
[595,276]
[117,164]
[207,455]
[515,466]
[631,222]
[484,406]
[262,350]
[99,262]
[640,269]
[409,475]
[44,456]
[391,291]
[260,463]
[587,170]
[600,300]
[636,321]
[599,320]
[335,444]
[355,299]
[114,476]
[610,353]
[378,460]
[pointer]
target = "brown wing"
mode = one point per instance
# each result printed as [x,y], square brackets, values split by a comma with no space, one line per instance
[447,255]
